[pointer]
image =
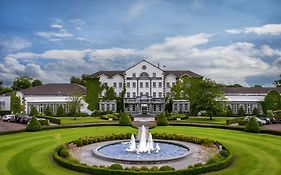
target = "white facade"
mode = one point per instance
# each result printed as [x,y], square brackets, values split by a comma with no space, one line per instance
[5,102]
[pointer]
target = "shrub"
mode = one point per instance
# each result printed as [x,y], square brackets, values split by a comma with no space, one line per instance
[154,168]
[224,153]
[144,168]
[107,116]
[242,122]
[162,120]
[44,122]
[255,111]
[48,111]
[78,142]
[64,153]
[34,125]
[124,119]
[241,112]
[60,111]
[166,168]
[252,125]
[116,167]
[175,116]
[232,121]
[33,111]
[229,112]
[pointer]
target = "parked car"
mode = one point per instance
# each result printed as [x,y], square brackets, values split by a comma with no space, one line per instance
[263,122]
[25,119]
[268,121]
[7,118]
[273,120]
[12,119]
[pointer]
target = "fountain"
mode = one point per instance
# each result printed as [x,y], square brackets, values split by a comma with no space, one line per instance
[146,143]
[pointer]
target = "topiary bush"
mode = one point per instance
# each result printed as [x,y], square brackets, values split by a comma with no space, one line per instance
[64,153]
[162,120]
[48,111]
[60,111]
[116,167]
[124,119]
[252,125]
[166,168]
[33,111]
[34,125]
[241,112]
[224,153]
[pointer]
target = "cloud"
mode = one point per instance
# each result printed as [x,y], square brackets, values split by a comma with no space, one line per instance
[227,64]
[268,29]
[57,26]
[137,8]
[12,44]
[52,35]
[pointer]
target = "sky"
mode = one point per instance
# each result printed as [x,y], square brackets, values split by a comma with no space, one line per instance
[229,41]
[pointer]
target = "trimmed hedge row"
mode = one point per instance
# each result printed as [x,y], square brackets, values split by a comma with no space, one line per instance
[69,163]
[51,119]
[232,121]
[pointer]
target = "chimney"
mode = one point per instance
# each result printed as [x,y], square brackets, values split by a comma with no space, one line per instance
[158,65]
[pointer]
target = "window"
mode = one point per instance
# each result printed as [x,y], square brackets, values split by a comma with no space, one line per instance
[143,67]
[128,94]
[102,107]
[134,84]
[141,94]
[160,94]
[134,94]
[154,84]
[134,108]
[134,74]
[2,105]
[115,85]
[120,85]
[141,84]
[128,84]
[160,107]
[113,107]
[186,107]
[108,107]
[144,74]
[154,94]
[154,74]
[167,84]
[173,84]
[180,107]
[160,84]
[105,84]
[154,107]
[147,93]
[147,84]
[175,107]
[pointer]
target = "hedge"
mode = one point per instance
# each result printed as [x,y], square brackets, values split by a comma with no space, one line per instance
[51,119]
[2,113]
[232,121]
[198,169]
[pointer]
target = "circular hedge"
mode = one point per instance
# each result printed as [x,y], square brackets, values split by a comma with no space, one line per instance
[218,162]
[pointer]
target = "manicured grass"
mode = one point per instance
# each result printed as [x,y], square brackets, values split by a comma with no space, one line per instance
[70,120]
[30,153]
[216,120]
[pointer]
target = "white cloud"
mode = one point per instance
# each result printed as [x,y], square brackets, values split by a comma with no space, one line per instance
[11,44]
[77,21]
[268,29]
[113,53]
[137,8]
[57,26]
[52,35]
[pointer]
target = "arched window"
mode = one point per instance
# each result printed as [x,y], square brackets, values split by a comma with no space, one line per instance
[144,74]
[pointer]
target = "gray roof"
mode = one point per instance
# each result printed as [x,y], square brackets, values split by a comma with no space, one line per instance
[107,73]
[179,73]
[249,90]
[59,89]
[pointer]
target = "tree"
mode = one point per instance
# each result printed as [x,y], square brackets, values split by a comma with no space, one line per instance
[60,111]
[229,112]
[277,83]
[258,86]
[209,97]
[124,119]
[34,125]
[272,101]
[252,125]
[74,104]
[110,94]
[255,111]
[15,104]
[94,88]
[241,112]
[33,111]
[36,83]
[169,105]
[22,83]
[120,100]
[4,89]
[48,111]
[162,119]
[234,85]
[77,80]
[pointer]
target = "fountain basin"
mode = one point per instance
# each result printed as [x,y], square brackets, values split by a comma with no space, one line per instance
[116,151]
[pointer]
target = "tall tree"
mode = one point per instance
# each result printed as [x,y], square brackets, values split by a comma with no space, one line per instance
[110,94]
[48,111]
[60,111]
[94,88]
[77,80]
[36,83]
[277,83]
[22,83]
[15,104]
[272,101]
[74,104]
[234,85]
[209,97]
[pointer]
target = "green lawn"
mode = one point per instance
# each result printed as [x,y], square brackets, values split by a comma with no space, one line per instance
[30,153]
[70,120]
[216,120]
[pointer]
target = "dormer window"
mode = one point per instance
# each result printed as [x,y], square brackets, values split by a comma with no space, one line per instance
[134,74]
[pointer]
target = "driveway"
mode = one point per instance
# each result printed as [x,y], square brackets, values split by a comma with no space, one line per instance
[9,126]
[276,127]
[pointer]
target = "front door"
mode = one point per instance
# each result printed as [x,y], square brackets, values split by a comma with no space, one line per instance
[144,110]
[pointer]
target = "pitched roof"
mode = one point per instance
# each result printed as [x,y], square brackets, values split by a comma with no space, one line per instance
[249,90]
[141,62]
[107,73]
[179,73]
[58,89]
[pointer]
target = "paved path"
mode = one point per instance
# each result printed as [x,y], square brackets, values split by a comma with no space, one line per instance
[275,127]
[9,126]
